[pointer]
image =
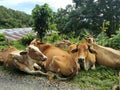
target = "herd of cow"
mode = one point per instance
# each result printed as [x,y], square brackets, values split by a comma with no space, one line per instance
[53,61]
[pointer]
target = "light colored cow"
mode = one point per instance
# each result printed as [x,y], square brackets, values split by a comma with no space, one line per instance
[23,60]
[59,61]
[82,55]
[104,55]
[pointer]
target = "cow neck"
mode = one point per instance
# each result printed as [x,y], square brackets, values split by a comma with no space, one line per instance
[44,47]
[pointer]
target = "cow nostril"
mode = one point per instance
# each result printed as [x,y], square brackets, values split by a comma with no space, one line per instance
[80,60]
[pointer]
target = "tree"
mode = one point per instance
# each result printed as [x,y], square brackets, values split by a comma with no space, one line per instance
[89,15]
[11,19]
[62,19]
[99,11]
[42,16]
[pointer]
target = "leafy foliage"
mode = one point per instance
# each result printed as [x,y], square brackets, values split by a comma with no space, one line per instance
[53,38]
[114,41]
[11,19]
[42,18]
[90,15]
[102,39]
[2,37]
[27,39]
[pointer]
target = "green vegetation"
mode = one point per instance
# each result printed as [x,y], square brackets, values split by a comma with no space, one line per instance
[27,39]
[90,15]
[42,15]
[103,78]
[14,19]
[100,18]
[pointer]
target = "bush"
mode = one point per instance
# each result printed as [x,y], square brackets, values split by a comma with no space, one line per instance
[102,39]
[114,41]
[27,39]
[2,37]
[53,38]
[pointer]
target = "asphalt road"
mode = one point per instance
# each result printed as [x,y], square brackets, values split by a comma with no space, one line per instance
[21,81]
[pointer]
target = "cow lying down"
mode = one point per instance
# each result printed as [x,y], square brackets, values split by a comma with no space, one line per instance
[63,44]
[59,61]
[104,55]
[83,57]
[23,60]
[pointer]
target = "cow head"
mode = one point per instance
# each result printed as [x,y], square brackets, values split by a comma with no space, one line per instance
[90,41]
[34,53]
[82,50]
[67,42]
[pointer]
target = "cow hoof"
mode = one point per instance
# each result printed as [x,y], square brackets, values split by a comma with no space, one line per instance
[50,76]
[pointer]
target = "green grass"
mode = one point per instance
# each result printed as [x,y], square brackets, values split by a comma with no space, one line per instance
[103,78]
[12,43]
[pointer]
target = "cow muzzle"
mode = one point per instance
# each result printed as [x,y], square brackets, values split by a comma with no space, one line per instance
[44,58]
[81,60]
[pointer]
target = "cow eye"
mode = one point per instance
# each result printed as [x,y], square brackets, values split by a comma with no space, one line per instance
[74,50]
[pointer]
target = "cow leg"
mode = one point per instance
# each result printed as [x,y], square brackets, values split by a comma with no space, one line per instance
[36,66]
[86,65]
[24,68]
[93,67]
[51,76]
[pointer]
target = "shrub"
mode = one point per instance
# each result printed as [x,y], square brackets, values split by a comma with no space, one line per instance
[114,41]
[52,38]
[27,39]
[2,37]
[102,39]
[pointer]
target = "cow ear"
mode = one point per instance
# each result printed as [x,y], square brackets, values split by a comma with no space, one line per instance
[74,50]
[23,52]
[91,50]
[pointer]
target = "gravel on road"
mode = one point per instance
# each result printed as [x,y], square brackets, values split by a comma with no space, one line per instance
[21,81]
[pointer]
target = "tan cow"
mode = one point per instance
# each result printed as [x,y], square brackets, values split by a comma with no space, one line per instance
[59,61]
[83,56]
[104,55]
[5,52]
[23,60]
[63,44]
[74,55]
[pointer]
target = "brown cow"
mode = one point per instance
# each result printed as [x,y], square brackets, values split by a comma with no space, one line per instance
[59,61]
[63,44]
[23,60]
[104,55]
[74,55]
[83,56]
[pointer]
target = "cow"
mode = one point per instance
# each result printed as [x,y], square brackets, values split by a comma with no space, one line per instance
[82,55]
[63,44]
[24,60]
[5,52]
[104,55]
[59,61]
[74,55]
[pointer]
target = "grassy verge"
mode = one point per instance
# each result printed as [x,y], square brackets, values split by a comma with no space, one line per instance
[103,78]
[16,44]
